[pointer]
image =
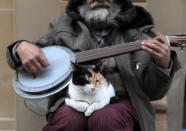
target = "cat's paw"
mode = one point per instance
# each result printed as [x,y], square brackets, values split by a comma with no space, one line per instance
[68,101]
[88,113]
[77,105]
[83,107]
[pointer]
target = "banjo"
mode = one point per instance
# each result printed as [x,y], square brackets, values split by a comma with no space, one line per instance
[41,90]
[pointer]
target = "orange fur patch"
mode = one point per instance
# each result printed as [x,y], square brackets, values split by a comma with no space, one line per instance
[96,79]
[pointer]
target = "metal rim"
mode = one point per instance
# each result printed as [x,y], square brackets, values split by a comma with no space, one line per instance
[52,84]
[40,96]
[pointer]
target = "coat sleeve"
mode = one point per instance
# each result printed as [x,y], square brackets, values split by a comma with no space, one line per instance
[46,40]
[155,81]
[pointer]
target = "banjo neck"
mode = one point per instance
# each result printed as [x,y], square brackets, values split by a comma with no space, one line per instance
[115,50]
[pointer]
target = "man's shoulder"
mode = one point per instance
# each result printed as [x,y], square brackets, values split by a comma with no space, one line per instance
[61,23]
[62,18]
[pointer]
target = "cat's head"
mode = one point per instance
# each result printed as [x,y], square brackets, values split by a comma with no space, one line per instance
[87,77]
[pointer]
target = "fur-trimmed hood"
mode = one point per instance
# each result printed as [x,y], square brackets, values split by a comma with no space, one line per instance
[130,16]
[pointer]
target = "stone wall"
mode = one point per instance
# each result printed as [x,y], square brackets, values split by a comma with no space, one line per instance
[7,113]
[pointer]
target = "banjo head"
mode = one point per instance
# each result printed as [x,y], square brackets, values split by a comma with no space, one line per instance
[56,73]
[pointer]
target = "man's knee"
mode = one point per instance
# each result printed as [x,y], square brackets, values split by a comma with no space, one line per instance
[101,120]
[66,119]
[111,118]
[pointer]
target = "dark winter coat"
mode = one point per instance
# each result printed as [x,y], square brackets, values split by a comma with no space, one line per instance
[144,84]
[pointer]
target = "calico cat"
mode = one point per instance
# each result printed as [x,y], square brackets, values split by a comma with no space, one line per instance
[89,90]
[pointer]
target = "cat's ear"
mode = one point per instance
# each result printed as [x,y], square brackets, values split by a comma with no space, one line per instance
[98,67]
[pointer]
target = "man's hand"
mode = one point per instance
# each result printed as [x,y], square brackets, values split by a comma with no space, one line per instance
[159,48]
[32,57]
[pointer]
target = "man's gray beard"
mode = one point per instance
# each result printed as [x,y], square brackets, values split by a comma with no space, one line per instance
[100,18]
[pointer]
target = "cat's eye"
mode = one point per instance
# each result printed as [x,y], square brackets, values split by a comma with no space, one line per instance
[97,80]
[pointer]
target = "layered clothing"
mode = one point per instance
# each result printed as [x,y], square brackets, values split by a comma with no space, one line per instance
[141,78]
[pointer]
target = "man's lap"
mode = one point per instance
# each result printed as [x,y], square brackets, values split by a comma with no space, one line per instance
[113,117]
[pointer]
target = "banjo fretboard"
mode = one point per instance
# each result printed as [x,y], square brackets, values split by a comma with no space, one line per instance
[115,50]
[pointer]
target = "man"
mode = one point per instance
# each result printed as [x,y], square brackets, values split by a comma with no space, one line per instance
[138,77]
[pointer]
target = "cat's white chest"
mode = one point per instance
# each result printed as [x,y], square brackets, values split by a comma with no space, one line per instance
[83,100]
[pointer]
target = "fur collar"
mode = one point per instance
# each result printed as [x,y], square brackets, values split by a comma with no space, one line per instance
[130,16]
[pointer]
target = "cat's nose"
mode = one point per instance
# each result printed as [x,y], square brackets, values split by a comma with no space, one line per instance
[93,89]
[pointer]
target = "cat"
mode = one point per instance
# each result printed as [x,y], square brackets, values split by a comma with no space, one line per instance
[89,90]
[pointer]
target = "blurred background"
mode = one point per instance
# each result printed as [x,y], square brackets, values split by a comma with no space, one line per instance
[28,19]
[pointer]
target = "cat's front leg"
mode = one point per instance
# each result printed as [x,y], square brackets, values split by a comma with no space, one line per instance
[77,105]
[95,106]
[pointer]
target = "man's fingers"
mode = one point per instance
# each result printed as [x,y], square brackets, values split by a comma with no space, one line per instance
[33,69]
[32,57]
[37,65]
[154,45]
[157,34]
[43,60]
[152,52]
[34,65]
[159,48]
[164,43]
[26,67]
[162,39]
[30,68]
